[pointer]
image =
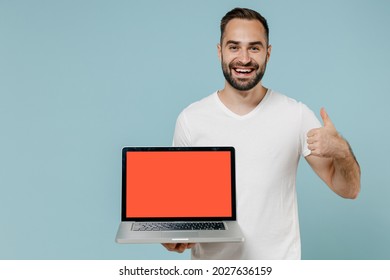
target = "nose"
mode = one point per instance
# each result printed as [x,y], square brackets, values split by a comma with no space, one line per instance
[244,56]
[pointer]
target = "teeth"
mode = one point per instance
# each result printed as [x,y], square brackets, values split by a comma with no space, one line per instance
[243,70]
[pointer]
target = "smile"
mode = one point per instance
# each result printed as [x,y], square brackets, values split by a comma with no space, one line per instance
[243,71]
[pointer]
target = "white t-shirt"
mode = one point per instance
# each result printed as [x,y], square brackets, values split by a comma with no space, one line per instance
[269,142]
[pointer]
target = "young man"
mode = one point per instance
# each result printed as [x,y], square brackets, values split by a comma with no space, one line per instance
[269,132]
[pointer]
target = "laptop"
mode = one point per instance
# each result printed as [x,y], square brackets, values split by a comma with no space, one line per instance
[178,195]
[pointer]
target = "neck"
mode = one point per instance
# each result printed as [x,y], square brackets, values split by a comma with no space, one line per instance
[242,102]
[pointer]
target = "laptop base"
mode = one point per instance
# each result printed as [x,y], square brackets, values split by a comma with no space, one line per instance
[126,236]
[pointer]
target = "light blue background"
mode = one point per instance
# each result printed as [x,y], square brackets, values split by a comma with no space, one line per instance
[81,79]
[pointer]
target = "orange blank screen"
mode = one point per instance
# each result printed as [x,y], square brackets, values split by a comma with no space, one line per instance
[178,184]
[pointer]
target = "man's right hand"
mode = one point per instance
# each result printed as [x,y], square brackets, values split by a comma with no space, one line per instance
[178,247]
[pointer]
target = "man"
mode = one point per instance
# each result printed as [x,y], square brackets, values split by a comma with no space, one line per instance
[269,132]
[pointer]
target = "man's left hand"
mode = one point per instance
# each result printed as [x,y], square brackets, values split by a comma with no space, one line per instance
[326,141]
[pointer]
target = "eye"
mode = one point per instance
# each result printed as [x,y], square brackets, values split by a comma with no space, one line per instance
[255,49]
[233,48]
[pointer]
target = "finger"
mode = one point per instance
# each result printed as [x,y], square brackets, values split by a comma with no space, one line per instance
[178,247]
[169,246]
[313,149]
[312,132]
[311,140]
[181,247]
[325,118]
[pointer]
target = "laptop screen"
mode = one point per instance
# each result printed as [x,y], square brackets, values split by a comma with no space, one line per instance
[177,183]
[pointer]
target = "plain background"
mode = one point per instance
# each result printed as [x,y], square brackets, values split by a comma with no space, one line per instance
[81,79]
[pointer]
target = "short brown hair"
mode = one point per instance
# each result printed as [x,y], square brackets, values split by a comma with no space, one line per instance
[243,13]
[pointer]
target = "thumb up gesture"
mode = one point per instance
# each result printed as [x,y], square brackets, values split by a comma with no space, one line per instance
[326,141]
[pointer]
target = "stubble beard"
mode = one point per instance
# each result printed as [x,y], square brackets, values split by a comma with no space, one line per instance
[243,84]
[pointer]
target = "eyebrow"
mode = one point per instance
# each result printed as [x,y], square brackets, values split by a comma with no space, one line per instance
[250,43]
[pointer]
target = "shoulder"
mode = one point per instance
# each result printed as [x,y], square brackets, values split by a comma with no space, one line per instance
[203,104]
[282,99]
[194,115]
[287,104]
[203,107]
[290,110]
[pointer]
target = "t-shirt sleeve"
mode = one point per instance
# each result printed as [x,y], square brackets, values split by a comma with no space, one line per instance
[181,137]
[308,122]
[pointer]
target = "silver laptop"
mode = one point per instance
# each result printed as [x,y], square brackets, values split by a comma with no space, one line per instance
[178,195]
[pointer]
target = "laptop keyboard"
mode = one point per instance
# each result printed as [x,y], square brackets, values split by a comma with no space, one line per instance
[164,226]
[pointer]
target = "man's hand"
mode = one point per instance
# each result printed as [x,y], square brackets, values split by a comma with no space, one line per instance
[326,141]
[178,247]
[333,160]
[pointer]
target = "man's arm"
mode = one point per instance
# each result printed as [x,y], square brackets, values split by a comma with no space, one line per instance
[333,160]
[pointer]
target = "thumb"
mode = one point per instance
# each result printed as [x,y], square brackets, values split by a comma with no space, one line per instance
[325,118]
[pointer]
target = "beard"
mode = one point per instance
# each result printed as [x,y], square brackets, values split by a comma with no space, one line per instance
[243,84]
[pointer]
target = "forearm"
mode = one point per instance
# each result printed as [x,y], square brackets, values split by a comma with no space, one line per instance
[346,174]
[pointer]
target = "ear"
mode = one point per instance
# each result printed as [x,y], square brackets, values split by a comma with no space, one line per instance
[269,49]
[219,49]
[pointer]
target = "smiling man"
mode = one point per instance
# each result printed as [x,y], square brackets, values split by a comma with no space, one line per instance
[246,72]
[270,133]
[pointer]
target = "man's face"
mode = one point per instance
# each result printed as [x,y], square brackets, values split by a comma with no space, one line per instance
[244,53]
